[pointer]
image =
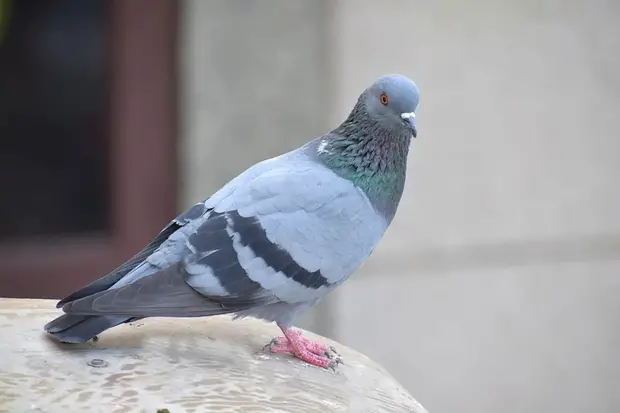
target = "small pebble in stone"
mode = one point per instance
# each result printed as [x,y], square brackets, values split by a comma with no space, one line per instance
[97,363]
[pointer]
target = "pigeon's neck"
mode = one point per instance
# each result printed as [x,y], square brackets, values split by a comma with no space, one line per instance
[373,158]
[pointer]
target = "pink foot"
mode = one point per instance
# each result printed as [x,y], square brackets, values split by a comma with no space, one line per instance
[305,349]
[280,344]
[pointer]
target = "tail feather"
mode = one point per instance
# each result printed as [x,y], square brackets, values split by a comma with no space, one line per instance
[63,322]
[75,328]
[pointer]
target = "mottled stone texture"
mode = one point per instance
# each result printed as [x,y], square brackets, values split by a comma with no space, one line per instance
[185,365]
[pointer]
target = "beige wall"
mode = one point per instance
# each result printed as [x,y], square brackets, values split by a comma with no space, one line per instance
[496,289]
[252,85]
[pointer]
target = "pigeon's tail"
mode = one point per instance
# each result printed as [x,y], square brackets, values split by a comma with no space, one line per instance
[76,328]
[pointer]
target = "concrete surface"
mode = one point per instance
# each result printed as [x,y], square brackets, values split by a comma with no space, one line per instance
[184,365]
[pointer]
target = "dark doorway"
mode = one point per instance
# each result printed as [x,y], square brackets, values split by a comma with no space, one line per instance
[87,137]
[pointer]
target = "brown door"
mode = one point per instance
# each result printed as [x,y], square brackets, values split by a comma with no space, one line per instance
[87,137]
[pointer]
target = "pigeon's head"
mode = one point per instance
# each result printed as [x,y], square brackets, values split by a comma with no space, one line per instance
[392,101]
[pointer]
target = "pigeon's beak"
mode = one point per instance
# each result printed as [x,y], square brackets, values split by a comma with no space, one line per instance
[409,119]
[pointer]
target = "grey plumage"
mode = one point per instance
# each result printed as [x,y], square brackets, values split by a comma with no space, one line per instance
[274,240]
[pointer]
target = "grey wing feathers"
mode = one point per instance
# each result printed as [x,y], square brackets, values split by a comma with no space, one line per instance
[231,256]
[229,265]
[212,265]
[163,294]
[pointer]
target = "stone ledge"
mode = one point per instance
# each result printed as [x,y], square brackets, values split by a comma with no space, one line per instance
[183,365]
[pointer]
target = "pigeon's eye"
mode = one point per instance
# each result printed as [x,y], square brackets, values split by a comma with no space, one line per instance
[383,98]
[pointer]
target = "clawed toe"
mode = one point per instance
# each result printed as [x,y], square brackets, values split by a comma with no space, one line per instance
[332,354]
[333,363]
[332,351]
[269,345]
[277,343]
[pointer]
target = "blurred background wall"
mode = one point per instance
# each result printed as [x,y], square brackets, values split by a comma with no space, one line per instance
[496,288]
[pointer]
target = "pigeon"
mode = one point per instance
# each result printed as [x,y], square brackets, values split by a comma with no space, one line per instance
[274,240]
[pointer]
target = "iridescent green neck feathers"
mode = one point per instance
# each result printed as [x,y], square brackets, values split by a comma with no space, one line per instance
[370,155]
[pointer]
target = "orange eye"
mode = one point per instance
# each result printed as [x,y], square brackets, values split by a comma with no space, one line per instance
[383,98]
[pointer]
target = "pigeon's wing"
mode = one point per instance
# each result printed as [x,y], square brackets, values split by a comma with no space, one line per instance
[293,233]
[164,293]
[288,235]
[114,276]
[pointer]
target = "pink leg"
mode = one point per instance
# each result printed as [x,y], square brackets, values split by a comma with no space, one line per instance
[305,349]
